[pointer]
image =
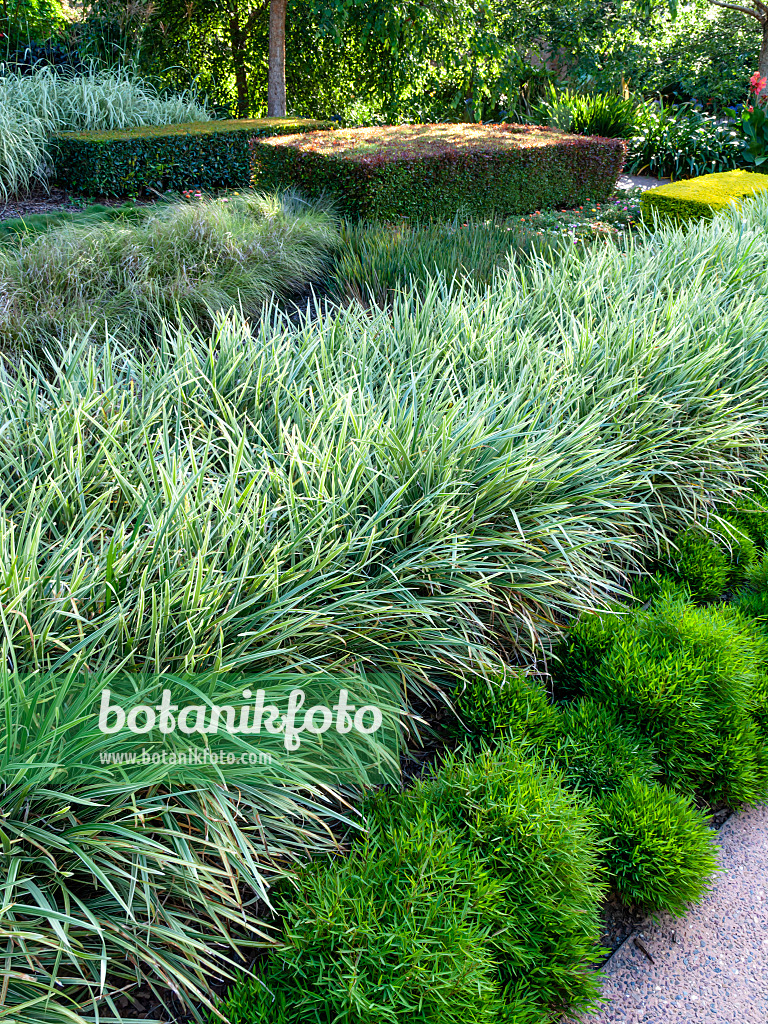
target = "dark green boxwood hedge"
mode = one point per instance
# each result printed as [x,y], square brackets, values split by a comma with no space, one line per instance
[203,154]
[479,171]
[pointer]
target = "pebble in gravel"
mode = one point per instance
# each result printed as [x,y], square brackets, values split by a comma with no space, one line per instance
[710,967]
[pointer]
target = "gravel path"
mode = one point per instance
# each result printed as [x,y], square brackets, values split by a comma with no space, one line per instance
[710,967]
[627,181]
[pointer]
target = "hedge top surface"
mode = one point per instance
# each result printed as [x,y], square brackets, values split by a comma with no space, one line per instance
[713,190]
[413,141]
[254,124]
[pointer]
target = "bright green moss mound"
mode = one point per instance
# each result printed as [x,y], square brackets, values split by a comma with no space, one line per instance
[701,198]
[161,158]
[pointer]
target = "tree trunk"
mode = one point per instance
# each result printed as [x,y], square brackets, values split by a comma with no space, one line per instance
[238,62]
[762,63]
[276,87]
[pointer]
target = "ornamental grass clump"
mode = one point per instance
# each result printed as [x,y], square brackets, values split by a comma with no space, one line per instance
[376,260]
[186,259]
[468,462]
[138,872]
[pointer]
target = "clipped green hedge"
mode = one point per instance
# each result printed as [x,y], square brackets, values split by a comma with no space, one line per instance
[700,198]
[436,171]
[203,154]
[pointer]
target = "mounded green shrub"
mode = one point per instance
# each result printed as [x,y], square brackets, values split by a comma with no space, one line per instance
[750,515]
[436,171]
[580,651]
[700,198]
[659,850]
[131,161]
[685,678]
[701,564]
[515,704]
[474,898]
[596,753]
[397,931]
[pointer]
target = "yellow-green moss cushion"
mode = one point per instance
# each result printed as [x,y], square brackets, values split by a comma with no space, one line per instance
[702,197]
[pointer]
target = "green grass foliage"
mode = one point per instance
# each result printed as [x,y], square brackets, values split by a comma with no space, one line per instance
[147,872]
[14,228]
[377,260]
[181,260]
[474,898]
[659,850]
[477,461]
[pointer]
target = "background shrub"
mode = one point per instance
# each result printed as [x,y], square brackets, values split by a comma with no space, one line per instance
[437,171]
[208,155]
[604,114]
[682,142]
[659,850]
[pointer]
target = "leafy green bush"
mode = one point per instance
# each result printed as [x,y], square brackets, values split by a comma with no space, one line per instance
[207,155]
[740,549]
[685,678]
[379,259]
[515,704]
[701,564]
[750,516]
[580,651]
[596,753]
[682,142]
[384,935]
[183,259]
[425,172]
[659,849]
[604,114]
[475,898]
